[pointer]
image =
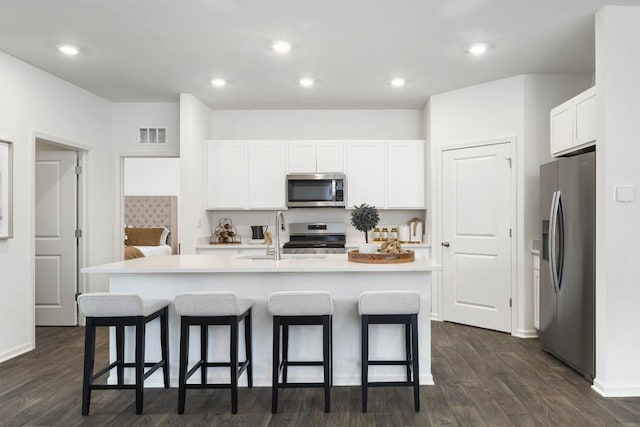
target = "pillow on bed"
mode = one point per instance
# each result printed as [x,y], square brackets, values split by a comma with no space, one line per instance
[143,236]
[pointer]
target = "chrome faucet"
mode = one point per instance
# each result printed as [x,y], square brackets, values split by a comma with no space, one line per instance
[279,226]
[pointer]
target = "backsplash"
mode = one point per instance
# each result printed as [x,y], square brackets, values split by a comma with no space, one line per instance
[242,220]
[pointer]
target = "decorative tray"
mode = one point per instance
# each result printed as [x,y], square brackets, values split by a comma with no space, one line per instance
[378,258]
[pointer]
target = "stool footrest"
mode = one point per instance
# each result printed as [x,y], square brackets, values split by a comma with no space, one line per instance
[300,363]
[301,385]
[390,362]
[390,384]
[242,366]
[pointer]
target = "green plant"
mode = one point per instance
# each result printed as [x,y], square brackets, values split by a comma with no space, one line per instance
[364,218]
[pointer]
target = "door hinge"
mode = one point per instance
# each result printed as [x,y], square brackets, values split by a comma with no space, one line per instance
[78,170]
[509,232]
[78,234]
[510,302]
[509,160]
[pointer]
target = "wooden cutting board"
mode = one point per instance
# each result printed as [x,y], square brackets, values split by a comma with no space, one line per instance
[378,258]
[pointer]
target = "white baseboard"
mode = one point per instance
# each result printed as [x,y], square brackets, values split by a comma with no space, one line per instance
[605,391]
[525,333]
[16,351]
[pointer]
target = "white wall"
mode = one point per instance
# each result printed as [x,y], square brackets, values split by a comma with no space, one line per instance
[34,102]
[151,176]
[517,108]
[128,117]
[617,223]
[317,124]
[195,128]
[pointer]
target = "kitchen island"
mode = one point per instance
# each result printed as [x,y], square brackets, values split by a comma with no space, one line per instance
[254,278]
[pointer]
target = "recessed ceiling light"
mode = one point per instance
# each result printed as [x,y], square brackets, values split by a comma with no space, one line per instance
[307,82]
[68,49]
[397,82]
[219,82]
[281,46]
[478,48]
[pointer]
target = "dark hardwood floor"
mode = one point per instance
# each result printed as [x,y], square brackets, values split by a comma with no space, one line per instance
[483,378]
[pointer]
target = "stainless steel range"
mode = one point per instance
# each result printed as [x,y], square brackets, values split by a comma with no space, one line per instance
[316,238]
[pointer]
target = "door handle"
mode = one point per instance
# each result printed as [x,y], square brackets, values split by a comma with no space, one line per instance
[445,244]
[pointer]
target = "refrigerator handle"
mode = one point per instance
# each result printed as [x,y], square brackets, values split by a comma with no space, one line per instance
[553,217]
[560,220]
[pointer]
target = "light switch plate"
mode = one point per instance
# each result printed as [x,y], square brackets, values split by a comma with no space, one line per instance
[625,193]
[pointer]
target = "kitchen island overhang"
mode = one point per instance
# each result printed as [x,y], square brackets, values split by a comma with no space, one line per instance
[167,276]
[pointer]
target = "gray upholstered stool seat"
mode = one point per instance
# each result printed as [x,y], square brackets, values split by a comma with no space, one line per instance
[300,308]
[213,308]
[389,302]
[303,303]
[391,307]
[121,310]
[211,304]
[104,304]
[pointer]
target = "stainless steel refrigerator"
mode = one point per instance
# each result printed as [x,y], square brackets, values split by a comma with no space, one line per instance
[567,270]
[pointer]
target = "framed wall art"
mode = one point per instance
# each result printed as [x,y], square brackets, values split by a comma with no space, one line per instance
[6,190]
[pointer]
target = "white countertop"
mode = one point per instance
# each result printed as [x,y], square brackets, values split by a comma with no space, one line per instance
[241,264]
[348,245]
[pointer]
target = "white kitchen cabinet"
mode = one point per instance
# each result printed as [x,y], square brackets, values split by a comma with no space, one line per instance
[226,175]
[246,174]
[573,123]
[302,157]
[405,174]
[536,291]
[366,173]
[267,169]
[316,157]
[330,156]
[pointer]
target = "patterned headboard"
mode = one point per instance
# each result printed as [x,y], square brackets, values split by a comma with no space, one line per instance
[153,211]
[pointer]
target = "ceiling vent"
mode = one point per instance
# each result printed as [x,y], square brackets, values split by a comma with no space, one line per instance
[152,136]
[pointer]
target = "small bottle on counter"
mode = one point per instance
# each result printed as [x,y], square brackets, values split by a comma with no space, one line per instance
[376,234]
[384,234]
[394,233]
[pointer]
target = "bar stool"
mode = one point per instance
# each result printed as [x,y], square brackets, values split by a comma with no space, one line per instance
[391,307]
[300,308]
[213,308]
[120,310]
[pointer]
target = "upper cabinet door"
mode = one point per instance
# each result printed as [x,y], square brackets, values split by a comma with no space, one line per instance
[226,175]
[561,127]
[302,157]
[584,107]
[267,170]
[366,173]
[405,174]
[330,157]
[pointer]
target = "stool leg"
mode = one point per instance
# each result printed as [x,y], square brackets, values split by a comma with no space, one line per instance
[275,365]
[164,336]
[248,348]
[365,360]
[285,352]
[416,372]
[140,332]
[120,353]
[407,344]
[326,327]
[331,350]
[204,347]
[184,360]
[89,358]
[233,357]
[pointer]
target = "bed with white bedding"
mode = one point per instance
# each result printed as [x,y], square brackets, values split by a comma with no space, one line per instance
[151,226]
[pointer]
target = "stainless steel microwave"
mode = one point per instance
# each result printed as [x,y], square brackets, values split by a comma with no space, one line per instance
[316,190]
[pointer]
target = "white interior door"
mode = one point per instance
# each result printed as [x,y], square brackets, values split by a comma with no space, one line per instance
[476,228]
[56,246]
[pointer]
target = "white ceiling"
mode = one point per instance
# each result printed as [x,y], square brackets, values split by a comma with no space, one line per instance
[152,50]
